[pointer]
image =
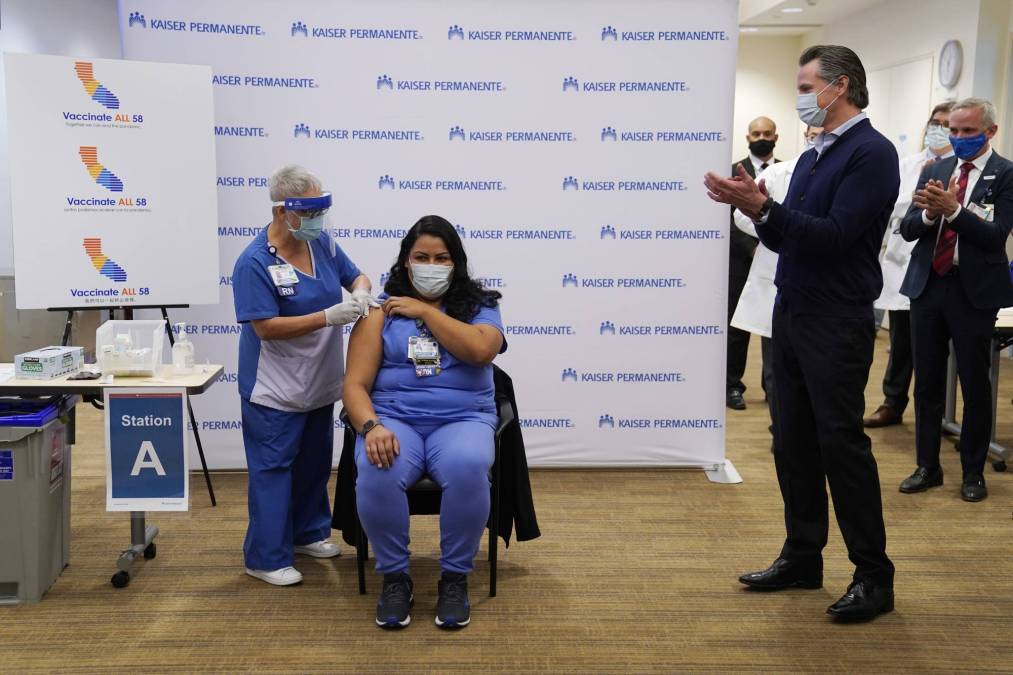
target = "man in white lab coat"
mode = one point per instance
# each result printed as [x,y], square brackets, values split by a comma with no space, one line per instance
[894,261]
[756,304]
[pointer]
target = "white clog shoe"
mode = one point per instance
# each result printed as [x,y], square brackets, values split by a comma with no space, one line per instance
[320,549]
[286,576]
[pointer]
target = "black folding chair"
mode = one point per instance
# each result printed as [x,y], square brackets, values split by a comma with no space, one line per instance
[424,498]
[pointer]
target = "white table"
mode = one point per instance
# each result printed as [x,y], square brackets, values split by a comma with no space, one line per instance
[1002,337]
[142,535]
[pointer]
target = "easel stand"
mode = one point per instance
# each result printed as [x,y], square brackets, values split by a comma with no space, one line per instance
[128,313]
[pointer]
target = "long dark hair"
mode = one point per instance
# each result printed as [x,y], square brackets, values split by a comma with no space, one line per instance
[465,296]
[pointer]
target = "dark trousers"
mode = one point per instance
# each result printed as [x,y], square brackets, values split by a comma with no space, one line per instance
[738,340]
[767,374]
[942,313]
[900,365]
[821,367]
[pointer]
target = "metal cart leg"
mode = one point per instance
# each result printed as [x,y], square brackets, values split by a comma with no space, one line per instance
[950,425]
[1000,454]
[142,538]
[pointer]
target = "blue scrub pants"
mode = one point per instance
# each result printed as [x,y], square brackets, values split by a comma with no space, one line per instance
[457,456]
[289,458]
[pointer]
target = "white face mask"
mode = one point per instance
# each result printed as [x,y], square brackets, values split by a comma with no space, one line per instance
[809,110]
[937,137]
[431,281]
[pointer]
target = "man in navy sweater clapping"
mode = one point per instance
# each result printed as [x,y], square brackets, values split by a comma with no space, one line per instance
[828,232]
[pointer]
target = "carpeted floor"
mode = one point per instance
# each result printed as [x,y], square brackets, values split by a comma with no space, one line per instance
[635,571]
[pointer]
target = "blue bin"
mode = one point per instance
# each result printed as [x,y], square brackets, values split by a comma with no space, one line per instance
[21,412]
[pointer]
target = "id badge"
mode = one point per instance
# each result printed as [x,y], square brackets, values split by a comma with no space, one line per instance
[283,275]
[424,352]
[986,212]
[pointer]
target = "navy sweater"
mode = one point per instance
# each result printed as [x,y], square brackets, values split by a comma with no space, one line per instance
[830,228]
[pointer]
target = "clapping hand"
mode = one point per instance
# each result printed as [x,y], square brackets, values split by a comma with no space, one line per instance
[740,191]
[936,199]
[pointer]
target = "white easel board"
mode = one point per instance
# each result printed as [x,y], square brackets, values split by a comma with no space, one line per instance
[113,193]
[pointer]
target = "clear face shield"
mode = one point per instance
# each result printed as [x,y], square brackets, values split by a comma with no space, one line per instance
[311,214]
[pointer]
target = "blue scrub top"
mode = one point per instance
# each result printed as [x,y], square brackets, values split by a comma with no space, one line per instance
[297,374]
[460,393]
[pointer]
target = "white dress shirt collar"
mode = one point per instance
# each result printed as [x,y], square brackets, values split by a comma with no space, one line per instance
[981,161]
[757,162]
[828,138]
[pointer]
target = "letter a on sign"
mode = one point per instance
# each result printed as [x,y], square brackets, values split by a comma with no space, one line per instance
[147,458]
[147,465]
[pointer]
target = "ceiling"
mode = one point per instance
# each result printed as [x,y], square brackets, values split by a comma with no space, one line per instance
[768,17]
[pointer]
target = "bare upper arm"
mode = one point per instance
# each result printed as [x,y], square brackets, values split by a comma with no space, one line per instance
[365,350]
[492,339]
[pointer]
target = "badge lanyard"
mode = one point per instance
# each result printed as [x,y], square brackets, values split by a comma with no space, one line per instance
[424,351]
[283,274]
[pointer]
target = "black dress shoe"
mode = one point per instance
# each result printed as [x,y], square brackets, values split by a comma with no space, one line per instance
[735,401]
[922,479]
[783,574]
[973,489]
[864,601]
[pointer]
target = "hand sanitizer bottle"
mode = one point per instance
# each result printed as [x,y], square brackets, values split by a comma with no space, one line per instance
[182,352]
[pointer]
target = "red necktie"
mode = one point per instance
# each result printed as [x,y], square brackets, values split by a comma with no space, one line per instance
[942,261]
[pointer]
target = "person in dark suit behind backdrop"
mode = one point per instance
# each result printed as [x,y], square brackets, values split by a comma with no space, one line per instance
[762,137]
[957,280]
[828,233]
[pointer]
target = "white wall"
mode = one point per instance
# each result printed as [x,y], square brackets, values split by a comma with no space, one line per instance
[901,30]
[68,27]
[765,85]
[992,50]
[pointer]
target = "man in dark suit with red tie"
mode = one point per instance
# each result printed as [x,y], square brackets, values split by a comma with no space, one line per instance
[957,280]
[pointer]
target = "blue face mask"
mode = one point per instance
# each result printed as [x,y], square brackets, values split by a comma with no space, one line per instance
[967,148]
[309,228]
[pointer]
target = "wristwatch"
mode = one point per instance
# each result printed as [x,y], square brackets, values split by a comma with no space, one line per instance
[765,209]
[368,426]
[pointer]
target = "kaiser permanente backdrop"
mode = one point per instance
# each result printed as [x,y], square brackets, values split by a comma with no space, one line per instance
[566,140]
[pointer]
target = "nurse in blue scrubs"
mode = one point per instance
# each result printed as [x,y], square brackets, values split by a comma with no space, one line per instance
[419,391]
[287,286]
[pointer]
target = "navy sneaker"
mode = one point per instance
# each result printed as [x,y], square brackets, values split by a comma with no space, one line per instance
[396,600]
[453,609]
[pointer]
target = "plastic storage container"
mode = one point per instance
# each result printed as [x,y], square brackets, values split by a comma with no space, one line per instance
[130,347]
[34,497]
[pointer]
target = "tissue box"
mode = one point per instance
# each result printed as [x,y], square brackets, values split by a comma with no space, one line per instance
[48,362]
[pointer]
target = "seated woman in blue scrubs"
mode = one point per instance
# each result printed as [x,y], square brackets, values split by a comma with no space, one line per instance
[287,291]
[419,391]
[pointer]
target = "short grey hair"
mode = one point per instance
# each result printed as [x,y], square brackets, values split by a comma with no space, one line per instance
[837,61]
[291,181]
[988,114]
